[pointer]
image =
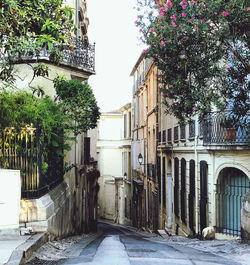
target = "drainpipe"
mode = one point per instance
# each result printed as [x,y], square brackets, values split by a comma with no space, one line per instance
[145,172]
[196,176]
[157,134]
[77,18]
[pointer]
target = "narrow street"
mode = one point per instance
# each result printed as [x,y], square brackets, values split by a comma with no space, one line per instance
[116,245]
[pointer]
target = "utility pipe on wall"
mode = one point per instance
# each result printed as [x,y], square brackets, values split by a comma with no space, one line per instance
[77,18]
[196,176]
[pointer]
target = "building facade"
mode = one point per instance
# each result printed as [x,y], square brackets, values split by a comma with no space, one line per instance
[114,161]
[191,176]
[144,141]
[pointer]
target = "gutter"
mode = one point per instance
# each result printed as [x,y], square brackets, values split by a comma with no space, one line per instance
[77,19]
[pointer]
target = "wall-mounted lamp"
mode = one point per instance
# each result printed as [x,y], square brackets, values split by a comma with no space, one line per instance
[125,175]
[140,159]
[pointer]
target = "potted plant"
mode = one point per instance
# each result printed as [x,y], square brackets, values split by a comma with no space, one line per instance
[229,128]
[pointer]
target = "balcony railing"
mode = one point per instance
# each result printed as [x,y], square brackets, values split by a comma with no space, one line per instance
[75,53]
[215,133]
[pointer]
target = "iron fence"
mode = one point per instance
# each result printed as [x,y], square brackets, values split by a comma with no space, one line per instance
[215,133]
[41,170]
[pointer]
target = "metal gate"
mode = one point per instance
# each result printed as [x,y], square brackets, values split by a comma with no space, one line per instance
[231,187]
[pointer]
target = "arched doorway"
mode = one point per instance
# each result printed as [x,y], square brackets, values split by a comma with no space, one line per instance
[232,185]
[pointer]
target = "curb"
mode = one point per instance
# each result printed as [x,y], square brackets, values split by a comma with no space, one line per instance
[23,252]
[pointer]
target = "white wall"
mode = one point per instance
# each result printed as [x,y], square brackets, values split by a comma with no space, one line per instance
[110,128]
[110,161]
[10,196]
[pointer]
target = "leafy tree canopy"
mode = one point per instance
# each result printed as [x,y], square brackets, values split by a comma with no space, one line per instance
[27,26]
[201,49]
[79,104]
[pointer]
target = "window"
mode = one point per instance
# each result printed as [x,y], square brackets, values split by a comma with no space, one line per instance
[191,129]
[183,132]
[170,135]
[164,136]
[125,126]
[176,133]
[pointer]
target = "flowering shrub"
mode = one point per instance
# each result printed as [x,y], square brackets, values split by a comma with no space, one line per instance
[201,49]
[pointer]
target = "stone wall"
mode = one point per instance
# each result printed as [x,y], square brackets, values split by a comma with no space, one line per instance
[245,218]
[68,209]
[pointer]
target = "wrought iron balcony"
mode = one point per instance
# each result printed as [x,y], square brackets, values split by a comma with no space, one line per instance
[75,53]
[214,133]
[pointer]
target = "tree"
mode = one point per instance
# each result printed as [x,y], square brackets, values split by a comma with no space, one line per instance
[27,27]
[201,49]
[79,104]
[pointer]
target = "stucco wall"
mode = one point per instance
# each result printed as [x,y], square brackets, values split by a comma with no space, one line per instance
[106,198]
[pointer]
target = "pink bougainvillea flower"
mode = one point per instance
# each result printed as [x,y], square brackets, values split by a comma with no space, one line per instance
[152,29]
[184,25]
[208,9]
[163,27]
[173,24]
[180,27]
[248,8]
[162,14]
[183,14]
[184,6]
[195,3]
[215,13]
[194,108]
[195,27]
[163,43]
[225,13]
[183,1]
[162,94]
[232,55]
[191,20]
[201,20]
[173,17]
[228,68]
[144,51]
[136,21]
[140,30]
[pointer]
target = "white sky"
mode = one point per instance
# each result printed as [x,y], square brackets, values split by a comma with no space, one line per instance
[113,29]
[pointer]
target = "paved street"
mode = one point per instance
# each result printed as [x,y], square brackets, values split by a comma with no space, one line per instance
[116,245]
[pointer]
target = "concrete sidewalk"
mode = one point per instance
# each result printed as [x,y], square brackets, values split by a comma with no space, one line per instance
[15,248]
